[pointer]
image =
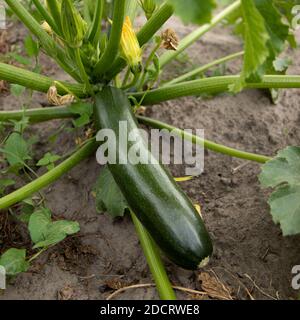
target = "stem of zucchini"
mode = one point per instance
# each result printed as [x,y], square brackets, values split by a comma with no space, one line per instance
[49,177]
[212,85]
[203,68]
[35,81]
[205,143]
[38,115]
[155,263]
[112,48]
[95,29]
[195,35]
[46,16]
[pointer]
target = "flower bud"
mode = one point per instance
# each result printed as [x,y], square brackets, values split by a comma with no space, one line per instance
[148,7]
[73,26]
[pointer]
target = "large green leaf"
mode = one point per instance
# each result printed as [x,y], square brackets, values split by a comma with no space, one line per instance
[108,195]
[266,32]
[283,174]
[56,232]
[256,38]
[38,224]
[16,150]
[14,261]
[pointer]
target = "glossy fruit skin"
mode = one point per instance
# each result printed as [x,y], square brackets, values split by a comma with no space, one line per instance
[151,192]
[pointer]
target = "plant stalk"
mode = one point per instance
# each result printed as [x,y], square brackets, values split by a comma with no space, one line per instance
[49,177]
[204,68]
[203,142]
[55,12]
[35,81]
[38,115]
[213,85]
[155,263]
[112,48]
[46,16]
[95,32]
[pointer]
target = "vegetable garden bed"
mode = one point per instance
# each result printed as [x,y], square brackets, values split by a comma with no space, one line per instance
[251,259]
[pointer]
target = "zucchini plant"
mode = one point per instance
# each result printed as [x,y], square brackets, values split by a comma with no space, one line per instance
[116,71]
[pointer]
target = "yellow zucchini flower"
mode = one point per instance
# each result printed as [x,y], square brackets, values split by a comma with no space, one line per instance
[130,46]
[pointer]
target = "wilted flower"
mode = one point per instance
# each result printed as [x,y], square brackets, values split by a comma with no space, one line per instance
[47,28]
[57,100]
[130,46]
[170,39]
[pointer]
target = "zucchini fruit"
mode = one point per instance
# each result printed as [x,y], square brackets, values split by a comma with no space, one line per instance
[151,192]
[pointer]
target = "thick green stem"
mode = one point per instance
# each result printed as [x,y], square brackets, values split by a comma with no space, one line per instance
[147,65]
[212,85]
[205,143]
[195,35]
[155,263]
[37,115]
[94,35]
[34,80]
[55,12]
[48,178]
[112,48]
[82,71]
[46,16]
[145,34]
[204,68]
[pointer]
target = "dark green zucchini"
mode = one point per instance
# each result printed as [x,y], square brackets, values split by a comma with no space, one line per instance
[152,193]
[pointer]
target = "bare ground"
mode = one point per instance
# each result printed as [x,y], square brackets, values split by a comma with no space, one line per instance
[252,260]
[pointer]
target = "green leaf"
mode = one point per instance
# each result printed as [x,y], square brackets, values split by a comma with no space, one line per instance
[17,90]
[31,47]
[283,174]
[256,38]
[285,208]
[20,59]
[48,160]
[84,111]
[58,231]
[194,11]
[44,232]
[16,150]
[4,183]
[108,195]
[81,108]
[14,261]
[20,125]
[38,224]
[82,121]
[265,31]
